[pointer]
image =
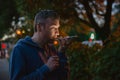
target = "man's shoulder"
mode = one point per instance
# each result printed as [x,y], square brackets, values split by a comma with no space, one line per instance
[23,41]
[19,43]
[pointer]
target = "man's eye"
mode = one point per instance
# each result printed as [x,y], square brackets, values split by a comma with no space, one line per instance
[53,28]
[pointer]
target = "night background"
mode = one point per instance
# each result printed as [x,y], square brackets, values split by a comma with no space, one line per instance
[94,55]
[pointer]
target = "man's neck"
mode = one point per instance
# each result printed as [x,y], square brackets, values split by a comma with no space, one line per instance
[40,41]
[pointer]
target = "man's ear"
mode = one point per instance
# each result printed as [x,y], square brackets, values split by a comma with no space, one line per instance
[38,27]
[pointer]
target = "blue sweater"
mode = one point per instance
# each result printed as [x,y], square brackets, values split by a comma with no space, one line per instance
[26,64]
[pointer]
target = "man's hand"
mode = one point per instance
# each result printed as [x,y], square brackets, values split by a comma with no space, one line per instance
[63,44]
[53,62]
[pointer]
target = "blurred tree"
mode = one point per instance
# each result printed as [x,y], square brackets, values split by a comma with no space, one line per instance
[7,11]
[94,13]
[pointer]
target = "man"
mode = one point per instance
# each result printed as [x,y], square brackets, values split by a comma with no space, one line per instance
[35,58]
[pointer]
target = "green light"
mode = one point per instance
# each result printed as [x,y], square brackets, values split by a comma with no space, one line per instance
[92,36]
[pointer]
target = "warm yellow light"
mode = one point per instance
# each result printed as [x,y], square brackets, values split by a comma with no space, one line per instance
[55,42]
[18,32]
[23,31]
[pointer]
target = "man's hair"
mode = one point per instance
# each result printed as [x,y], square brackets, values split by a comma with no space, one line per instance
[41,17]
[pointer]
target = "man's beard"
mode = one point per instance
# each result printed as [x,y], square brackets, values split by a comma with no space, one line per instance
[51,40]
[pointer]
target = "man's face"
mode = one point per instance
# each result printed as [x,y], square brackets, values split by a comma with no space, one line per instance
[51,30]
